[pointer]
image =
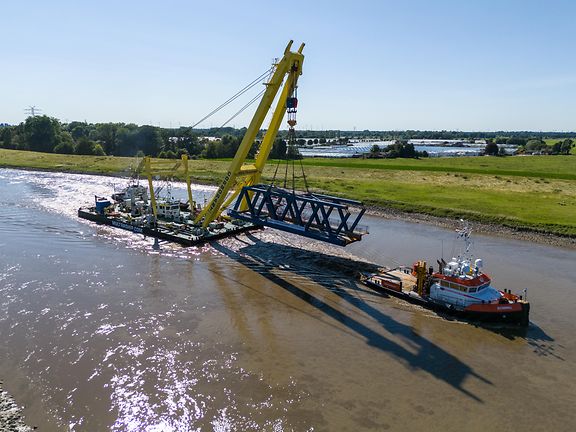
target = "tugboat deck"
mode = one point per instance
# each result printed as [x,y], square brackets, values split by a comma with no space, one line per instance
[399,279]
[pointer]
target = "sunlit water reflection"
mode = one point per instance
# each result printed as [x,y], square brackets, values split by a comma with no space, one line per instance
[261,332]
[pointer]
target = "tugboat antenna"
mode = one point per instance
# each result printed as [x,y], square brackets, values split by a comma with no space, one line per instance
[442,249]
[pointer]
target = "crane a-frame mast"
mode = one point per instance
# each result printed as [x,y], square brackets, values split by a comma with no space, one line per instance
[240,174]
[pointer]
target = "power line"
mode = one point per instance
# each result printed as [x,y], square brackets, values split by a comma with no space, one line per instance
[32,110]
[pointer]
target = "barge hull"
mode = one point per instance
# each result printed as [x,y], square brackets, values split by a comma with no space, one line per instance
[161,232]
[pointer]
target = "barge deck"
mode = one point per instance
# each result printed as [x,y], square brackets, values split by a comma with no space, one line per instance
[182,233]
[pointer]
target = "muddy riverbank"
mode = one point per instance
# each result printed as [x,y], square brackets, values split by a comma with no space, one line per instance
[11,419]
[479,227]
[492,227]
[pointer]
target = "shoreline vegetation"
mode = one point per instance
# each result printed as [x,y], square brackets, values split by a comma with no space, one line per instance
[527,197]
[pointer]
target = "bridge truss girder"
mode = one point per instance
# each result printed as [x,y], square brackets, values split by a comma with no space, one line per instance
[315,216]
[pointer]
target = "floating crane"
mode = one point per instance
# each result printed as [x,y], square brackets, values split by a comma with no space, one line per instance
[321,217]
[316,216]
[240,173]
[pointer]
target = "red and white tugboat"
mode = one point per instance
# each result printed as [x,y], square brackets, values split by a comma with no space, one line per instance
[459,286]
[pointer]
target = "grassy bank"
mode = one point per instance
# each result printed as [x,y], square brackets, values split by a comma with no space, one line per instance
[550,167]
[532,193]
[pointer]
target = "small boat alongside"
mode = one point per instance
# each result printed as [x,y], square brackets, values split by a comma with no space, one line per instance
[459,287]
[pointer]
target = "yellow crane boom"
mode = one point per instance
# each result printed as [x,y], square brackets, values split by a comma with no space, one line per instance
[313,215]
[240,174]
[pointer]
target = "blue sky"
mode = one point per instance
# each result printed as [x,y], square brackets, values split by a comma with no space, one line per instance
[378,65]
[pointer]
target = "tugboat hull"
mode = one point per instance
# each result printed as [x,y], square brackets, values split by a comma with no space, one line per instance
[518,313]
[512,313]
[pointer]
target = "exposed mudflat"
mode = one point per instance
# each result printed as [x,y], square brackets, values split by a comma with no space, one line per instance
[479,227]
[11,414]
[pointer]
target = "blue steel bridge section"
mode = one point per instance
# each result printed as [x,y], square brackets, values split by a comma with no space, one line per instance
[320,217]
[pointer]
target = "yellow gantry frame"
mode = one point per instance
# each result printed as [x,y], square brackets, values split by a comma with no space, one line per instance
[240,174]
[168,168]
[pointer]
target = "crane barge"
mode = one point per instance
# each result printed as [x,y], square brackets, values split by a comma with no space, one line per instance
[256,204]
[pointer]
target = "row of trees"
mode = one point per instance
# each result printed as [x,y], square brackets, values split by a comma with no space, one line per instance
[383,135]
[530,146]
[538,146]
[47,134]
[227,146]
[400,149]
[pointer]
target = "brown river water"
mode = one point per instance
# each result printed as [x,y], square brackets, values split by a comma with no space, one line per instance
[266,331]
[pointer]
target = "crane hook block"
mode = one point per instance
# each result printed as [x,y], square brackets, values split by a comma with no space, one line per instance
[292,102]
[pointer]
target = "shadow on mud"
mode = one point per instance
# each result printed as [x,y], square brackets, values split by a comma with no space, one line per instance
[338,275]
[542,343]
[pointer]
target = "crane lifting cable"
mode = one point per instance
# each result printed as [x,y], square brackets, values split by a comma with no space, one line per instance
[320,217]
[283,79]
[312,215]
[291,155]
[236,96]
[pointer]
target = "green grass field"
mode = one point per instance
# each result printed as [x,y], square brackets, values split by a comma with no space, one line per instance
[522,166]
[526,192]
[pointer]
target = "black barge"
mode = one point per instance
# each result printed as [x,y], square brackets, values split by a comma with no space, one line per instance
[182,233]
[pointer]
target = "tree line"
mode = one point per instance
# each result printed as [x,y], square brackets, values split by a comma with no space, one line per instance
[49,135]
[400,149]
[529,146]
[392,135]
